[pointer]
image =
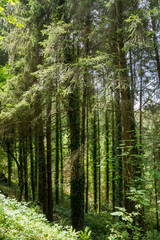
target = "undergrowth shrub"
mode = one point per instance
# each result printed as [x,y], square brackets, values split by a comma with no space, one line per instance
[17,221]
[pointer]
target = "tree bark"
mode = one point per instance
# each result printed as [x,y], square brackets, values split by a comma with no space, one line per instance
[125,106]
[87,160]
[107,157]
[155,42]
[9,157]
[49,163]
[61,153]
[57,150]
[113,158]
[32,165]
[24,145]
[42,167]
[21,169]
[95,160]
[36,160]
[99,166]
[118,144]
[156,193]
[77,170]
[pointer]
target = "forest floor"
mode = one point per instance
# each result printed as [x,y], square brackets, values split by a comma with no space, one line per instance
[61,214]
[99,224]
[19,222]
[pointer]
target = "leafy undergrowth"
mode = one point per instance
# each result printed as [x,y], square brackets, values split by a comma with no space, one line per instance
[17,221]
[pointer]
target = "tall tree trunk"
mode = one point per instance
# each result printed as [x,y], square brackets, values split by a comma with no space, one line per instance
[32,164]
[155,41]
[156,193]
[132,79]
[99,166]
[87,160]
[57,150]
[49,163]
[36,161]
[21,172]
[61,151]
[113,158]
[9,157]
[95,160]
[118,144]
[107,156]
[85,106]
[83,123]
[25,169]
[42,168]
[77,170]
[140,109]
[141,218]
[125,106]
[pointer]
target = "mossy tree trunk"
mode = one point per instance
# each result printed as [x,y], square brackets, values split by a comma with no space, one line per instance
[77,170]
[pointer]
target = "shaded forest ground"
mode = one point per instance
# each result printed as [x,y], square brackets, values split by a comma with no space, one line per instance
[62,215]
[99,224]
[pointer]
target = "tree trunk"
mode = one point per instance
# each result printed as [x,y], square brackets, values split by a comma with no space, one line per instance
[113,158]
[21,172]
[61,152]
[95,160]
[107,157]
[9,162]
[83,127]
[25,168]
[156,193]
[49,163]
[139,174]
[87,161]
[155,42]
[42,168]
[118,145]
[32,165]
[36,161]
[125,106]
[77,171]
[57,150]
[99,166]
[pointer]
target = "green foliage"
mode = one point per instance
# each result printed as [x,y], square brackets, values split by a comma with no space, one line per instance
[5,15]
[86,234]
[154,235]
[122,228]
[97,224]
[17,221]
[3,76]
[138,196]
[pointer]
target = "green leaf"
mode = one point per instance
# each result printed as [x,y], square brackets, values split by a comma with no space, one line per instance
[20,25]
[1,9]
[118,214]
[13,2]
[109,4]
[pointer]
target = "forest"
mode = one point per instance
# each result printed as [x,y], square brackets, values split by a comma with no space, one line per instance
[79,119]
